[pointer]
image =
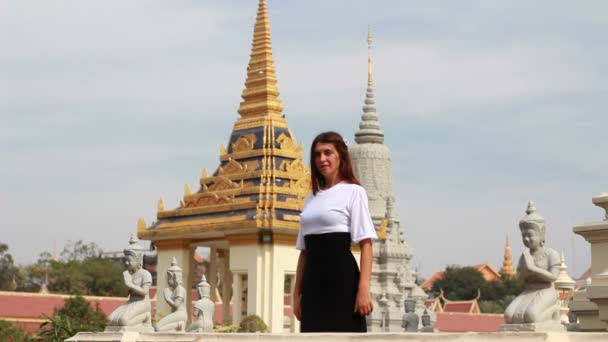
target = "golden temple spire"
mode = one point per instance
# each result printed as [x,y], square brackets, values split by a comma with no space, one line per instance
[260,96]
[161,205]
[507,263]
[369,55]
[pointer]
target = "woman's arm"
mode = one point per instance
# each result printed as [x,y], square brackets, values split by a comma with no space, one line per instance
[363,303]
[297,291]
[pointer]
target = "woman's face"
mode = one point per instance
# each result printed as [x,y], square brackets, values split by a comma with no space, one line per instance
[531,238]
[327,159]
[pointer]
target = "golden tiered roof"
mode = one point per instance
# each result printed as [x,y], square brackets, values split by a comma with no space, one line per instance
[507,263]
[261,181]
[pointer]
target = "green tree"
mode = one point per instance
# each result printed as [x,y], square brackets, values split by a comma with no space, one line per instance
[462,283]
[37,274]
[82,315]
[80,251]
[104,277]
[11,277]
[11,333]
[459,283]
[80,270]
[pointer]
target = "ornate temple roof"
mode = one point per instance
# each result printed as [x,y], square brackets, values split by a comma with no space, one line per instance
[261,181]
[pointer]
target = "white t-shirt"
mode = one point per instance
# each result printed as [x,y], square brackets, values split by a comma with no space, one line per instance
[343,208]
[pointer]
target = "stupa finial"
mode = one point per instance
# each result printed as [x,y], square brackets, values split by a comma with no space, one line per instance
[531,208]
[369,56]
[369,127]
[260,96]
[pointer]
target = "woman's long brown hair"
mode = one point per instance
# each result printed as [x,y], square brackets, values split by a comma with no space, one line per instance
[346,167]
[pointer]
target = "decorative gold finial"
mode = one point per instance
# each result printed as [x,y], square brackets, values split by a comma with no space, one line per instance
[507,262]
[161,205]
[369,55]
[187,190]
[260,96]
[204,173]
[141,225]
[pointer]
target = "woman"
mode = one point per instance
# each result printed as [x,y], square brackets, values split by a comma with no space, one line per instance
[331,294]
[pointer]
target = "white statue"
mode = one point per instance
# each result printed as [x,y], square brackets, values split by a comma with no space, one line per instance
[136,312]
[538,268]
[175,296]
[204,309]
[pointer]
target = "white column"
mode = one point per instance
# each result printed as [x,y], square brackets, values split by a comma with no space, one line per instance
[227,285]
[237,288]
[213,267]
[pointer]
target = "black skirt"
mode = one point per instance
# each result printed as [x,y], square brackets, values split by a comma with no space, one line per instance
[329,285]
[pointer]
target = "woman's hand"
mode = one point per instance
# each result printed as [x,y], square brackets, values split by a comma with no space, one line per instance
[363,303]
[297,306]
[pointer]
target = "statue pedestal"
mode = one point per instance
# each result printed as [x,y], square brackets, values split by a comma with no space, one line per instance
[596,234]
[598,294]
[132,329]
[587,313]
[551,326]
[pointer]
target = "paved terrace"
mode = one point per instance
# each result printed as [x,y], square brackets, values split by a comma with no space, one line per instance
[370,337]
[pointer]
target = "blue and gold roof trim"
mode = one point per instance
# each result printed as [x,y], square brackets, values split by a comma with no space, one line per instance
[261,181]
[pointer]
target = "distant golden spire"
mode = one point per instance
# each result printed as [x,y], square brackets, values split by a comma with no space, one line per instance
[161,205]
[141,224]
[260,96]
[507,263]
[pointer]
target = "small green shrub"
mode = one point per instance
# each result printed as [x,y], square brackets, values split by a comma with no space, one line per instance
[12,333]
[253,323]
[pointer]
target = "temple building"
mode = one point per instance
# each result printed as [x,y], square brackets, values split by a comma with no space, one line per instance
[393,279]
[247,210]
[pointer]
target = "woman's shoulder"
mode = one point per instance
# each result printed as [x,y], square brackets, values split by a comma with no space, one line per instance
[356,188]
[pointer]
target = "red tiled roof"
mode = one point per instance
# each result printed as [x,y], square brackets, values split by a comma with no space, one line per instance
[464,307]
[428,284]
[458,322]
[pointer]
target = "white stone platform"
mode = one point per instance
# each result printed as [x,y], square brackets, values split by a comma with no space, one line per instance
[369,337]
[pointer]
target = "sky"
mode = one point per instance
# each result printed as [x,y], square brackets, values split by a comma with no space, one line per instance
[106,105]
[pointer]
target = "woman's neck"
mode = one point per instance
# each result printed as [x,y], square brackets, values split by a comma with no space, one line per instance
[331,181]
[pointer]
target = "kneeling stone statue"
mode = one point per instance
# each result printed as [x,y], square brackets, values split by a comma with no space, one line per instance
[537,307]
[204,309]
[135,314]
